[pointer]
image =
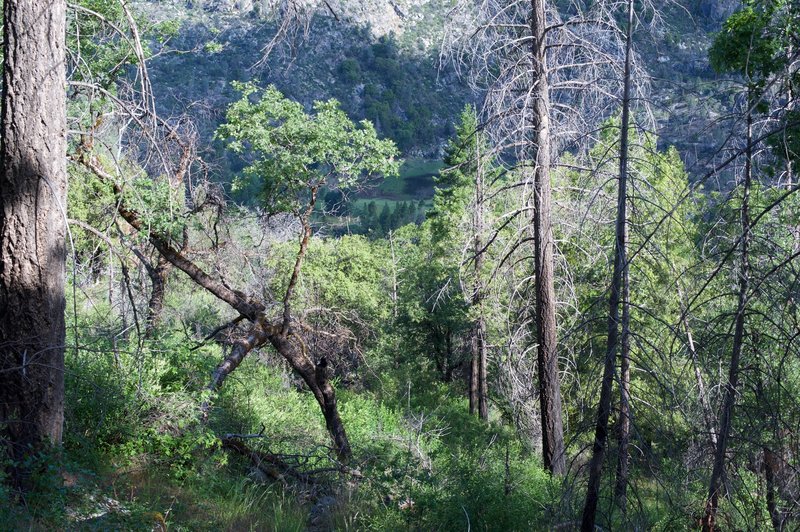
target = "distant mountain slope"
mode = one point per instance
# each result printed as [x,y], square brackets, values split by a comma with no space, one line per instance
[378,58]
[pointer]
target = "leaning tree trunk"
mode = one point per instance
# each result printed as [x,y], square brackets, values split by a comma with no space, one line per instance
[292,348]
[731,386]
[279,333]
[33,184]
[618,292]
[545,319]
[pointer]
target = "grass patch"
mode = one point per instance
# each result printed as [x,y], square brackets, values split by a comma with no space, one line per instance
[414,182]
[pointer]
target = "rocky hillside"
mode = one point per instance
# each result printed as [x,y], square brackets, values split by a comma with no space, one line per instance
[378,58]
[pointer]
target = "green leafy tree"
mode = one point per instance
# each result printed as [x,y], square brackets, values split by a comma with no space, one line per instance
[385,219]
[293,153]
[433,312]
[761,42]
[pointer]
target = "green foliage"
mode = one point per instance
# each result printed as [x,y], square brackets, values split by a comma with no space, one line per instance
[101,49]
[392,96]
[44,500]
[744,44]
[88,200]
[760,43]
[134,403]
[433,312]
[392,317]
[294,153]
[158,204]
[101,53]
[456,184]
[378,218]
[663,239]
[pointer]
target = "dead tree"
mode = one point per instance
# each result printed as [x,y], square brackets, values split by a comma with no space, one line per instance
[544,80]
[619,295]
[731,389]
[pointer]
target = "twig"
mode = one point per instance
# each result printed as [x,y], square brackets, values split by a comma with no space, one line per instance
[217,331]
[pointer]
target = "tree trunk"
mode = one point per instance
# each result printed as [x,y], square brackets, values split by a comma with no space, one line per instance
[618,292]
[479,354]
[155,305]
[473,378]
[771,461]
[773,469]
[395,286]
[449,356]
[293,349]
[33,185]
[305,238]
[545,319]
[624,423]
[731,387]
[483,387]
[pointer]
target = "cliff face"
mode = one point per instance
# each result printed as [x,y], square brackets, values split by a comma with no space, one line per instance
[716,11]
[381,17]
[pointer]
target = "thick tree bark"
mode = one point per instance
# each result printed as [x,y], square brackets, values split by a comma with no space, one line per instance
[731,386]
[33,184]
[618,293]
[545,318]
